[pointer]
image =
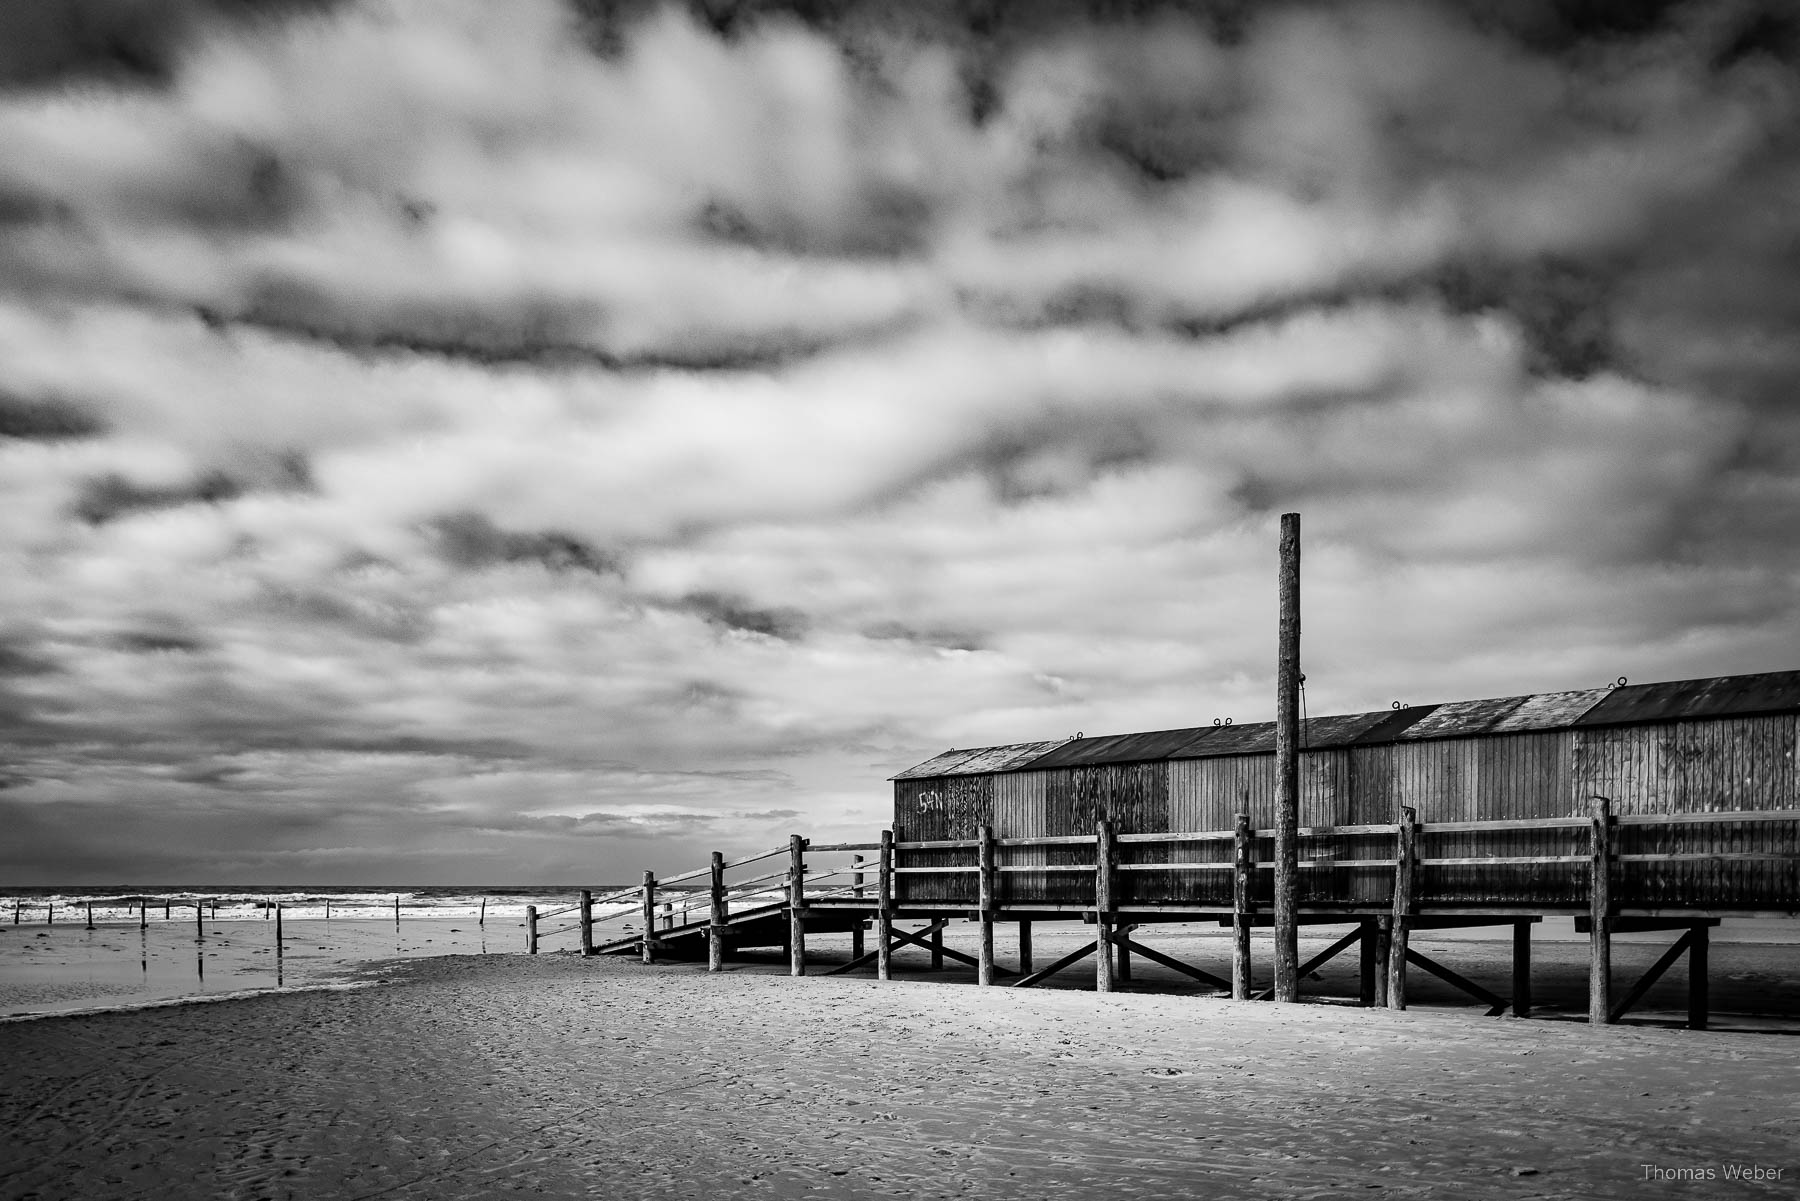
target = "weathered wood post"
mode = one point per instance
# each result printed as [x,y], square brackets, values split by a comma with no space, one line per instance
[1287,767]
[647,944]
[327,911]
[796,905]
[937,948]
[165,909]
[1600,914]
[90,915]
[1384,953]
[278,950]
[18,909]
[1521,970]
[531,929]
[396,913]
[1024,948]
[1365,949]
[856,890]
[884,908]
[481,914]
[1697,980]
[984,876]
[1406,859]
[143,915]
[1104,852]
[715,933]
[199,921]
[1241,907]
[587,921]
[49,913]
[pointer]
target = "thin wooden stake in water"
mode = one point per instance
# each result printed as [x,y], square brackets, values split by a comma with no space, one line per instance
[199,921]
[165,909]
[482,919]
[1287,767]
[531,929]
[18,909]
[796,905]
[278,951]
[49,913]
[90,915]
[143,915]
[884,908]
[715,933]
[396,913]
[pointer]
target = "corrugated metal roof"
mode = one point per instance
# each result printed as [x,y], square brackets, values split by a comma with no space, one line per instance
[976,760]
[1771,692]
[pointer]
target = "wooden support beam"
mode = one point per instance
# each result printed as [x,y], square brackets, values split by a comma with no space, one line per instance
[1365,976]
[1122,940]
[718,912]
[1384,950]
[936,947]
[1655,973]
[647,942]
[1496,1005]
[1105,856]
[1025,947]
[1521,969]
[1406,856]
[1073,957]
[1317,961]
[796,905]
[587,921]
[1287,766]
[530,929]
[984,968]
[1241,908]
[1600,913]
[884,908]
[856,890]
[1697,977]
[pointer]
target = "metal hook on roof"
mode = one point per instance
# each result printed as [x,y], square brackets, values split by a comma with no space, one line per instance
[1398,705]
[1620,683]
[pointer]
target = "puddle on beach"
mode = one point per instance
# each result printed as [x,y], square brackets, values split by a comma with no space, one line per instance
[67,967]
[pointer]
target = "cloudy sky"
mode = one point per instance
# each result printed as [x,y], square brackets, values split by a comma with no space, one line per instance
[448,441]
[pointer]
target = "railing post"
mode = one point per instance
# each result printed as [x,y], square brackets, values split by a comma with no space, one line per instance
[856,890]
[587,921]
[1103,903]
[1241,907]
[884,908]
[1600,914]
[984,963]
[715,934]
[796,905]
[1406,857]
[531,929]
[647,945]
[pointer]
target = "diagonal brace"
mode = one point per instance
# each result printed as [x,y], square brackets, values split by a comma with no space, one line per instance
[918,939]
[1496,1005]
[1045,973]
[1316,962]
[1124,940]
[1653,975]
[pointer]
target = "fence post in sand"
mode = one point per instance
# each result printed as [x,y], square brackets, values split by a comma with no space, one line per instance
[90,915]
[715,933]
[531,929]
[278,951]
[796,905]
[984,963]
[1406,858]
[587,921]
[856,890]
[1600,915]
[1103,904]
[647,944]
[1024,948]
[1241,879]
[884,908]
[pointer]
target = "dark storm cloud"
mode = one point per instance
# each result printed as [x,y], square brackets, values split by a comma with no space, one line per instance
[471,540]
[47,419]
[733,613]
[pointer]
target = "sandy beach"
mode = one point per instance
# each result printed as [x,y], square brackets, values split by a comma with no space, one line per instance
[554,1076]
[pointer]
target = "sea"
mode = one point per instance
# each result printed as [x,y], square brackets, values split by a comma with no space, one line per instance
[84,949]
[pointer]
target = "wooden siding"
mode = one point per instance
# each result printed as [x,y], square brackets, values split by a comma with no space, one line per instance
[1664,767]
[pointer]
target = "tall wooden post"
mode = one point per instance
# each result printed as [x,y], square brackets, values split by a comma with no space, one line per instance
[1241,907]
[984,961]
[481,917]
[1384,957]
[647,944]
[396,913]
[1024,948]
[165,909]
[587,921]
[796,905]
[715,934]
[143,915]
[1521,970]
[199,921]
[856,890]
[1600,915]
[531,929]
[884,908]
[1365,947]
[90,915]
[1104,853]
[1287,767]
[1406,858]
[278,933]
[1697,980]
[937,948]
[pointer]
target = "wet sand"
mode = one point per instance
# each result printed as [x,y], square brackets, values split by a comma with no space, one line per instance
[555,1076]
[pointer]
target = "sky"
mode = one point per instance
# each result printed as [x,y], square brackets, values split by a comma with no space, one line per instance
[455,442]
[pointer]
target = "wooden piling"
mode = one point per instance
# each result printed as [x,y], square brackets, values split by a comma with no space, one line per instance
[796,905]
[165,909]
[587,921]
[1698,1000]
[49,913]
[715,932]
[1024,948]
[1242,866]
[90,915]
[328,910]
[1521,969]
[856,890]
[199,921]
[1600,914]
[143,915]
[1406,858]
[984,966]
[1105,851]
[278,949]
[531,929]
[481,915]
[884,908]
[937,949]
[18,910]
[647,944]
[1365,981]
[1122,969]
[1287,767]
[1384,950]
[396,913]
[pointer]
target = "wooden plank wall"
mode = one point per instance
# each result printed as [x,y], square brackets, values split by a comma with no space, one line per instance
[1715,765]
